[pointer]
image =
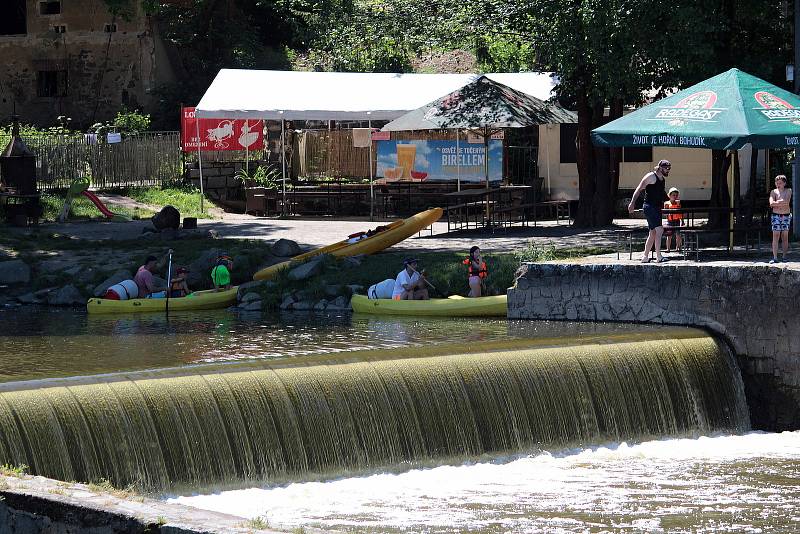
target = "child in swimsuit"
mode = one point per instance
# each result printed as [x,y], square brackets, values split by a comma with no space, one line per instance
[780,202]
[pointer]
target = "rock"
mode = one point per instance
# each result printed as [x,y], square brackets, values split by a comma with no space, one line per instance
[168,217]
[287,303]
[355,288]
[169,234]
[342,303]
[212,234]
[308,269]
[255,285]
[74,271]
[303,305]
[250,297]
[333,290]
[253,305]
[66,296]
[115,278]
[51,266]
[285,248]
[200,269]
[321,305]
[351,261]
[149,230]
[14,272]
[28,298]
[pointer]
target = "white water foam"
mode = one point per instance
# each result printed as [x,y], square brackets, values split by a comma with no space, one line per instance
[711,484]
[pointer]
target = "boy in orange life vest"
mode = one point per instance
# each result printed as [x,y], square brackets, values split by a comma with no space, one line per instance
[674,220]
[178,286]
[476,271]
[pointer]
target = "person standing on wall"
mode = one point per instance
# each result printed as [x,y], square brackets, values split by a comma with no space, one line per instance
[780,202]
[654,186]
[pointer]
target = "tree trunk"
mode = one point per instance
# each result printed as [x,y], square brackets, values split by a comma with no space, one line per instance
[586,183]
[615,112]
[602,212]
[751,191]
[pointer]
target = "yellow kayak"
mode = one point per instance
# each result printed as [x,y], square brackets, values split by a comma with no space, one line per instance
[392,234]
[199,300]
[454,306]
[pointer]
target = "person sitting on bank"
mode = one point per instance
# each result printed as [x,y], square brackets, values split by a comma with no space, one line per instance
[476,271]
[145,282]
[674,220]
[410,283]
[178,286]
[221,273]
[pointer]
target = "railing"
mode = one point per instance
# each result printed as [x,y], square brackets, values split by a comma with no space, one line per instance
[145,159]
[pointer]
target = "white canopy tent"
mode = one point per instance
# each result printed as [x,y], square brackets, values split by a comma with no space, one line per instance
[295,95]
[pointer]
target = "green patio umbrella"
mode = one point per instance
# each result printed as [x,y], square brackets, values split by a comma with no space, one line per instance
[724,112]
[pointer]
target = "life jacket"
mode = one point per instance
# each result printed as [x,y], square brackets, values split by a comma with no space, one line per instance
[176,288]
[673,206]
[481,272]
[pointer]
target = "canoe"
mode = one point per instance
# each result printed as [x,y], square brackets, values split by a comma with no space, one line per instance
[394,233]
[199,300]
[455,306]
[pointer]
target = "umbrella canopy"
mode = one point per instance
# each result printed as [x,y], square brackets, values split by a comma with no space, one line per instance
[482,104]
[724,112]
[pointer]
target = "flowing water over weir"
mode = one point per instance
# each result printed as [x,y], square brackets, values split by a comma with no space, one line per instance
[226,425]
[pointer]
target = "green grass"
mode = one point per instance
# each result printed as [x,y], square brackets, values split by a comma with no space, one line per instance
[185,199]
[82,208]
[13,470]
[258,523]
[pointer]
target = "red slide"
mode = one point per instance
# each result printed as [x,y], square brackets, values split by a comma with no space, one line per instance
[96,201]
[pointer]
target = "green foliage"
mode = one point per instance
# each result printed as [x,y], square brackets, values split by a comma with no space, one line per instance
[259,523]
[13,470]
[131,121]
[260,176]
[536,253]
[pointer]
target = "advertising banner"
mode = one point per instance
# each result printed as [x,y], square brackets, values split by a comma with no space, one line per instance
[438,161]
[220,134]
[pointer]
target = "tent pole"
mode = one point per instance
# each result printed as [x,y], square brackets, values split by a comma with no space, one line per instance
[199,158]
[547,155]
[731,195]
[246,152]
[458,161]
[283,164]
[371,189]
[486,135]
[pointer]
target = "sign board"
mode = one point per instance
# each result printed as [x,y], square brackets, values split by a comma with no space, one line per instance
[438,161]
[114,137]
[381,136]
[220,134]
[473,137]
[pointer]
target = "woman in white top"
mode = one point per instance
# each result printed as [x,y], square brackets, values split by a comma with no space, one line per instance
[410,284]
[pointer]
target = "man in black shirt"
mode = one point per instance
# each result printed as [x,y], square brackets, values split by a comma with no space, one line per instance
[654,186]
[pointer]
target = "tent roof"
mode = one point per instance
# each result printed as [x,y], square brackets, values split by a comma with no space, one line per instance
[294,95]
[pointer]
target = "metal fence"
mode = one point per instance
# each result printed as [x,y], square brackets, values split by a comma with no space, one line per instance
[145,159]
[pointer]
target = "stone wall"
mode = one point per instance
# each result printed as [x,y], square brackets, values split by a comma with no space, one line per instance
[755,308]
[94,72]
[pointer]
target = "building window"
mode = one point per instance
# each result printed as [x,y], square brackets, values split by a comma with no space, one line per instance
[50,7]
[60,28]
[13,21]
[569,135]
[51,83]
[110,28]
[638,155]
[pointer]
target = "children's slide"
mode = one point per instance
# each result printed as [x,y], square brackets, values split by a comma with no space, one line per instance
[96,201]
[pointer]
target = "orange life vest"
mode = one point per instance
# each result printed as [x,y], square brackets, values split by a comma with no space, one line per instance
[670,205]
[481,272]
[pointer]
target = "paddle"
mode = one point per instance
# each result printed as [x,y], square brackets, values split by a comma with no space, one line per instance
[169,280]
[426,281]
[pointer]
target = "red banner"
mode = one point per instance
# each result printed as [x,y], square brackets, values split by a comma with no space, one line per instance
[220,134]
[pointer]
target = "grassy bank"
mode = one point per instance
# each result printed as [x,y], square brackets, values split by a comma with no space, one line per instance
[185,199]
[82,208]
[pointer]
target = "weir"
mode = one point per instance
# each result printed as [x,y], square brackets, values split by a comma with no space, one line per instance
[225,425]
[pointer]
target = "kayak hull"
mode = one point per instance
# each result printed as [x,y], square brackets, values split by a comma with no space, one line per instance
[199,300]
[396,232]
[494,306]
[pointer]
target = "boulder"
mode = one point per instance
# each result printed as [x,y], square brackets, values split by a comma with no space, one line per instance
[303,305]
[250,297]
[285,248]
[115,278]
[340,303]
[200,269]
[287,303]
[308,269]
[14,272]
[255,285]
[212,234]
[253,305]
[66,296]
[168,217]
[28,298]
[74,271]
[333,290]
[351,261]
[355,288]
[321,305]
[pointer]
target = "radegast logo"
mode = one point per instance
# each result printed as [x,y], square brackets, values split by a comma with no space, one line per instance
[776,109]
[697,107]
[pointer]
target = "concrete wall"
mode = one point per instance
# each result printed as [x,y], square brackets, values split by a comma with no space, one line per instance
[755,308]
[107,70]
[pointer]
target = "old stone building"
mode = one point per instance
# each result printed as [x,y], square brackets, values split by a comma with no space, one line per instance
[73,58]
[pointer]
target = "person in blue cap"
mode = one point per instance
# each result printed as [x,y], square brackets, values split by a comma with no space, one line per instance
[410,283]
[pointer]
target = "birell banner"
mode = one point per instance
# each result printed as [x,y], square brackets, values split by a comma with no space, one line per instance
[438,161]
[220,134]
